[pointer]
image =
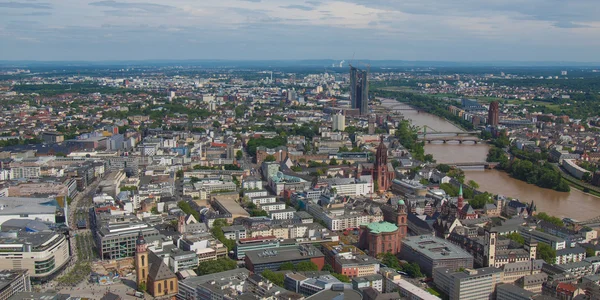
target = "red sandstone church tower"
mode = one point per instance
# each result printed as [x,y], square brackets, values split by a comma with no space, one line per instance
[382,175]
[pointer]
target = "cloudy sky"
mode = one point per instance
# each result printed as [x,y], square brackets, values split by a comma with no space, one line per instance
[448,30]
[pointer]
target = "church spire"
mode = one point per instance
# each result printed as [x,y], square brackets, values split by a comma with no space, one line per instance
[460,203]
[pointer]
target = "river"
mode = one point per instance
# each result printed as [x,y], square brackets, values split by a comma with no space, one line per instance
[576,204]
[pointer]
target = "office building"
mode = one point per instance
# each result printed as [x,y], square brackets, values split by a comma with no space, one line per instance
[479,284]
[116,235]
[359,90]
[309,283]
[338,122]
[213,286]
[13,282]
[255,244]
[433,252]
[493,114]
[357,265]
[258,261]
[374,281]
[512,292]
[236,232]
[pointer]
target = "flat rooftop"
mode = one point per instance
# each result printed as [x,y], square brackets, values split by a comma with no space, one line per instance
[283,254]
[434,247]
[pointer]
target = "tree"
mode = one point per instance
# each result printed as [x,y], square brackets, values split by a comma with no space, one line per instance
[390,260]
[328,268]
[551,219]
[473,184]
[424,181]
[443,168]
[239,154]
[216,124]
[275,278]
[515,236]
[341,277]
[286,266]
[587,177]
[589,252]
[270,158]
[480,200]
[333,162]
[141,287]
[258,213]
[413,270]
[154,210]
[179,174]
[428,158]
[306,266]
[547,253]
[216,266]
[457,174]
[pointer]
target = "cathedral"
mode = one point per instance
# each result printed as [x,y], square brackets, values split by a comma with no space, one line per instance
[153,275]
[381,170]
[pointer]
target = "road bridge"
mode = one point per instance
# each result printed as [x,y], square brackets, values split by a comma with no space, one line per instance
[593,222]
[459,139]
[474,165]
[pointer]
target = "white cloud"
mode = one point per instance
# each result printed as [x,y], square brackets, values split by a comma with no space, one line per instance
[385,29]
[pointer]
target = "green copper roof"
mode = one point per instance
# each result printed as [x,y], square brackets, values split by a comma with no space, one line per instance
[460,190]
[400,202]
[379,227]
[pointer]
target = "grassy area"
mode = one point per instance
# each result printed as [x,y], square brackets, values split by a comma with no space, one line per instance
[577,185]
[436,292]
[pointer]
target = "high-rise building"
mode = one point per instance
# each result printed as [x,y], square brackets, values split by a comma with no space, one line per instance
[338,122]
[493,114]
[359,90]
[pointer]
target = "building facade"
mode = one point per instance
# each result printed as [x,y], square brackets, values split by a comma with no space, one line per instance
[359,90]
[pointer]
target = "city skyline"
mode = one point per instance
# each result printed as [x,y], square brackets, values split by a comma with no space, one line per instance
[436,30]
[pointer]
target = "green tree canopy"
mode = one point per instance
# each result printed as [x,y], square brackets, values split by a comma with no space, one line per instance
[547,253]
[216,266]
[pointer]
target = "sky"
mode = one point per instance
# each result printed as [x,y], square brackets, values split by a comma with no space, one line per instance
[431,30]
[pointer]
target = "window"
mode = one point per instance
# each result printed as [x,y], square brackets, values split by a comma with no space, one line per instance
[143,274]
[171,286]
[143,258]
[159,288]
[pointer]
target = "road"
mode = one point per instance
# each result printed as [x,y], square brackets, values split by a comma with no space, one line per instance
[79,207]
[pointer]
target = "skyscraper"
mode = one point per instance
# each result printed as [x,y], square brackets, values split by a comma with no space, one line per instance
[493,117]
[359,90]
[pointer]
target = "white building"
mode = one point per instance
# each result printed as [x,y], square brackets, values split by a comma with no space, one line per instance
[272,206]
[284,214]
[25,172]
[340,218]
[258,201]
[338,122]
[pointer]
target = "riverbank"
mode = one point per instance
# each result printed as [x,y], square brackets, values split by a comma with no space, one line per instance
[576,204]
[426,103]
